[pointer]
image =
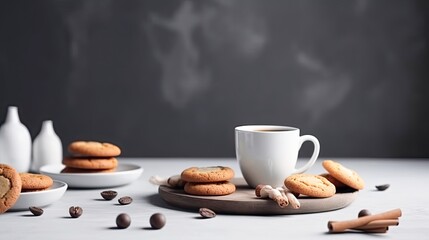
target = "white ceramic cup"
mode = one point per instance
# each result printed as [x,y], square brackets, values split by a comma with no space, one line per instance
[267,154]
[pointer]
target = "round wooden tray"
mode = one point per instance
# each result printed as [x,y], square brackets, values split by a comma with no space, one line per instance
[244,201]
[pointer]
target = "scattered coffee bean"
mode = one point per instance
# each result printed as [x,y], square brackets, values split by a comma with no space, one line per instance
[125,200]
[382,187]
[364,212]
[207,213]
[123,220]
[75,212]
[109,194]
[157,220]
[36,211]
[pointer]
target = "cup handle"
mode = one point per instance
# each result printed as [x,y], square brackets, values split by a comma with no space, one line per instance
[316,151]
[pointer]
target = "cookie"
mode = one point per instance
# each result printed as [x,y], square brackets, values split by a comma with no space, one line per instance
[93,149]
[34,190]
[209,189]
[34,182]
[77,170]
[207,174]
[310,185]
[10,187]
[91,163]
[333,180]
[344,175]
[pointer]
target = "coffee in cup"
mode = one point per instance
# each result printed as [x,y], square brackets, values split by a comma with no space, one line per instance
[267,154]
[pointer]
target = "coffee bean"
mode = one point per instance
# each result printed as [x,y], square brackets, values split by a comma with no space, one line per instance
[123,220]
[157,220]
[36,211]
[364,212]
[125,200]
[75,212]
[109,194]
[382,187]
[207,213]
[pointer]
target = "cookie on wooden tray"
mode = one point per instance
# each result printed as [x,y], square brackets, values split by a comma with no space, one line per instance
[93,149]
[209,189]
[35,182]
[333,180]
[310,185]
[90,163]
[10,187]
[207,174]
[344,174]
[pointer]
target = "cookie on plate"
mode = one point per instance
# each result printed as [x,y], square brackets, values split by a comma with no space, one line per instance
[10,187]
[207,174]
[310,185]
[80,170]
[35,182]
[93,149]
[90,163]
[209,189]
[343,174]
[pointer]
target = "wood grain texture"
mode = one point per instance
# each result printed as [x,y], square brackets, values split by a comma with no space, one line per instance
[244,202]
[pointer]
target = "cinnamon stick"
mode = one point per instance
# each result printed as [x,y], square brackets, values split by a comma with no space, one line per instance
[173,181]
[285,198]
[379,224]
[340,226]
[293,200]
[374,230]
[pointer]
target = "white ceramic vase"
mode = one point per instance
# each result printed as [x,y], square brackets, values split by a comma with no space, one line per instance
[15,142]
[47,147]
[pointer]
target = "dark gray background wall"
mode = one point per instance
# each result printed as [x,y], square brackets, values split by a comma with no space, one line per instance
[173,78]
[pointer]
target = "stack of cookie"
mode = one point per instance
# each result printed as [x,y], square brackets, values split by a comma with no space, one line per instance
[208,181]
[91,157]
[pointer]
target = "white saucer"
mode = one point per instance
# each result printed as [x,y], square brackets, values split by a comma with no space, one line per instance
[40,198]
[124,174]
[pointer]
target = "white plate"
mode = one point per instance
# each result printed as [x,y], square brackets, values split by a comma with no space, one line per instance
[40,198]
[124,174]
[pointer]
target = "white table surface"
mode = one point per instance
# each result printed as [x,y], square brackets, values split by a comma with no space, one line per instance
[409,179]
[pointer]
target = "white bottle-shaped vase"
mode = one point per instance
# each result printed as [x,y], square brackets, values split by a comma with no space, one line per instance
[15,142]
[47,147]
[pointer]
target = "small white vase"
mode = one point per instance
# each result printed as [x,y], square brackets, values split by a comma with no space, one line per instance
[47,147]
[15,142]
